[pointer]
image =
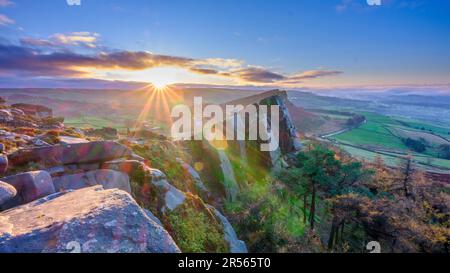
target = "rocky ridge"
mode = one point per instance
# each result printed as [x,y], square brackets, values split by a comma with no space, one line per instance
[63,191]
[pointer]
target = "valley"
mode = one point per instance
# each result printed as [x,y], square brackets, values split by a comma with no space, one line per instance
[381,134]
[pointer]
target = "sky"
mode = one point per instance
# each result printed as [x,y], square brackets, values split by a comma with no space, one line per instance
[298,43]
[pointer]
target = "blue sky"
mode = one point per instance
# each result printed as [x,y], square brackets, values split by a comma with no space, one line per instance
[259,42]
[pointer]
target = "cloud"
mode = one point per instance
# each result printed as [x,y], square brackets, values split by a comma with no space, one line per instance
[35,62]
[36,42]
[257,75]
[5,20]
[78,39]
[204,71]
[313,74]
[220,62]
[49,58]
[6,3]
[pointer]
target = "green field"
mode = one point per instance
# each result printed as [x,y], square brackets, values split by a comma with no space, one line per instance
[93,122]
[379,135]
[442,131]
[374,134]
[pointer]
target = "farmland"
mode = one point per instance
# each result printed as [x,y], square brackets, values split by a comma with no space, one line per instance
[383,136]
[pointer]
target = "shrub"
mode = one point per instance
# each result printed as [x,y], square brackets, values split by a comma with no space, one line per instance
[26,131]
[416,145]
[195,230]
[51,137]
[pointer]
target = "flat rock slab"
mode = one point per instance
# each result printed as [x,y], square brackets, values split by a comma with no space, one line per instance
[96,151]
[71,140]
[90,220]
[109,179]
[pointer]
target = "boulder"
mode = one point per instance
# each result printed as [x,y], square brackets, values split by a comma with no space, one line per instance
[30,186]
[109,179]
[96,151]
[7,193]
[153,217]
[3,163]
[90,220]
[173,197]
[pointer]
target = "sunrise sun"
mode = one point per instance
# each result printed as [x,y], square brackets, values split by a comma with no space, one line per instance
[160,84]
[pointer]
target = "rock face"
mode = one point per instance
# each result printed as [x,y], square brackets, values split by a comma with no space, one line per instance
[109,179]
[236,245]
[96,151]
[7,193]
[195,176]
[90,220]
[30,186]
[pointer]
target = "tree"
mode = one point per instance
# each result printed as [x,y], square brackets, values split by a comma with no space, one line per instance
[407,176]
[319,169]
[355,120]
[416,145]
[444,151]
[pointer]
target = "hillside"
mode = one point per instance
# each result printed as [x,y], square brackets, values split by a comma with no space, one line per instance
[223,196]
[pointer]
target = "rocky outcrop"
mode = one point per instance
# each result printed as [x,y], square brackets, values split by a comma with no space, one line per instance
[90,220]
[7,193]
[109,179]
[153,191]
[5,116]
[287,133]
[34,110]
[172,196]
[96,151]
[29,186]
